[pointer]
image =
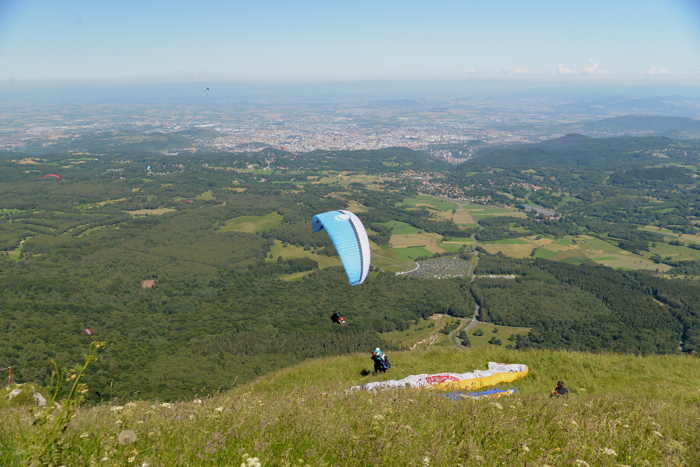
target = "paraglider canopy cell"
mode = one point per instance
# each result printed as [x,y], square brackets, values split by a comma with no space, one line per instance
[350,240]
[54,176]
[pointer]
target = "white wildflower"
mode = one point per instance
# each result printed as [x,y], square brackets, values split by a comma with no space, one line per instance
[130,405]
[145,464]
[582,463]
[131,459]
[497,405]
[609,452]
[84,435]
[167,405]
[127,437]
[117,408]
[219,409]
[378,417]
[197,401]
[426,461]
[104,459]
[525,448]
[118,422]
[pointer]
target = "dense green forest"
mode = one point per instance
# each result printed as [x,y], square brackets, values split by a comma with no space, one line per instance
[200,270]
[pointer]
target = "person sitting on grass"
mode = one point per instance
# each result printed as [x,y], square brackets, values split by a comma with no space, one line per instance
[559,390]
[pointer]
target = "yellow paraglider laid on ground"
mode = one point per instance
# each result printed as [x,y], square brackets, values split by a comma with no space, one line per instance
[496,373]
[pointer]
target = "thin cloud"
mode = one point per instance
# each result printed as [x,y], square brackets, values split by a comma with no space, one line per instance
[592,68]
[658,70]
[565,70]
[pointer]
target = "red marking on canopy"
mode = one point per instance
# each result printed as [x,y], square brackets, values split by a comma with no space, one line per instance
[437,379]
[55,176]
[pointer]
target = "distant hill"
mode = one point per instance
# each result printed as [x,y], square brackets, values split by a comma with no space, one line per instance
[576,150]
[651,124]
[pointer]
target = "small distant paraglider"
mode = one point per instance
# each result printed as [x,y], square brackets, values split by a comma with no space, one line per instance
[56,177]
[350,240]
[207,89]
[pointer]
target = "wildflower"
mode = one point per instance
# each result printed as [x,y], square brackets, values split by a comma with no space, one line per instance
[145,464]
[378,417]
[117,408]
[497,405]
[104,459]
[84,435]
[130,405]
[131,459]
[127,437]
[426,461]
[656,433]
[118,422]
[197,401]
[525,448]
[167,405]
[251,461]
[582,463]
[609,452]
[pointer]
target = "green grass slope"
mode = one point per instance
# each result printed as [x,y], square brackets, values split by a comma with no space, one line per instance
[623,410]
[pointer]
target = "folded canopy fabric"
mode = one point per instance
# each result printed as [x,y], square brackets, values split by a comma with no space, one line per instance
[497,373]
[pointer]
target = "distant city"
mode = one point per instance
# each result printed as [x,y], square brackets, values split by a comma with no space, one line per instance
[436,125]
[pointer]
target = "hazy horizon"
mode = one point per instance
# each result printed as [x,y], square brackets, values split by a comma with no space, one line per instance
[634,43]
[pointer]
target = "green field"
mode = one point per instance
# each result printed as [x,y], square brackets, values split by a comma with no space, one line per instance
[206,196]
[479,211]
[411,252]
[252,224]
[421,334]
[674,252]
[582,248]
[401,228]
[502,333]
[429,201]
[286,251]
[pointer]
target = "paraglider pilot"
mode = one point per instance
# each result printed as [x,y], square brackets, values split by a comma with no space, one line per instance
[559,390]
[381,362]
[338,319]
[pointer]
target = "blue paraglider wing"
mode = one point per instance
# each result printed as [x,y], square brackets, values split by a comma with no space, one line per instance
[350,241]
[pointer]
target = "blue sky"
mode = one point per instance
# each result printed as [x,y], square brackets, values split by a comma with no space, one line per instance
[49,41]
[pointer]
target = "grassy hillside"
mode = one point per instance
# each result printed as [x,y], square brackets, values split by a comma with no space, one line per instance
[623,410]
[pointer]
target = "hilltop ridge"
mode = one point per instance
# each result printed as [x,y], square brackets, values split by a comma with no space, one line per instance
[622,410]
